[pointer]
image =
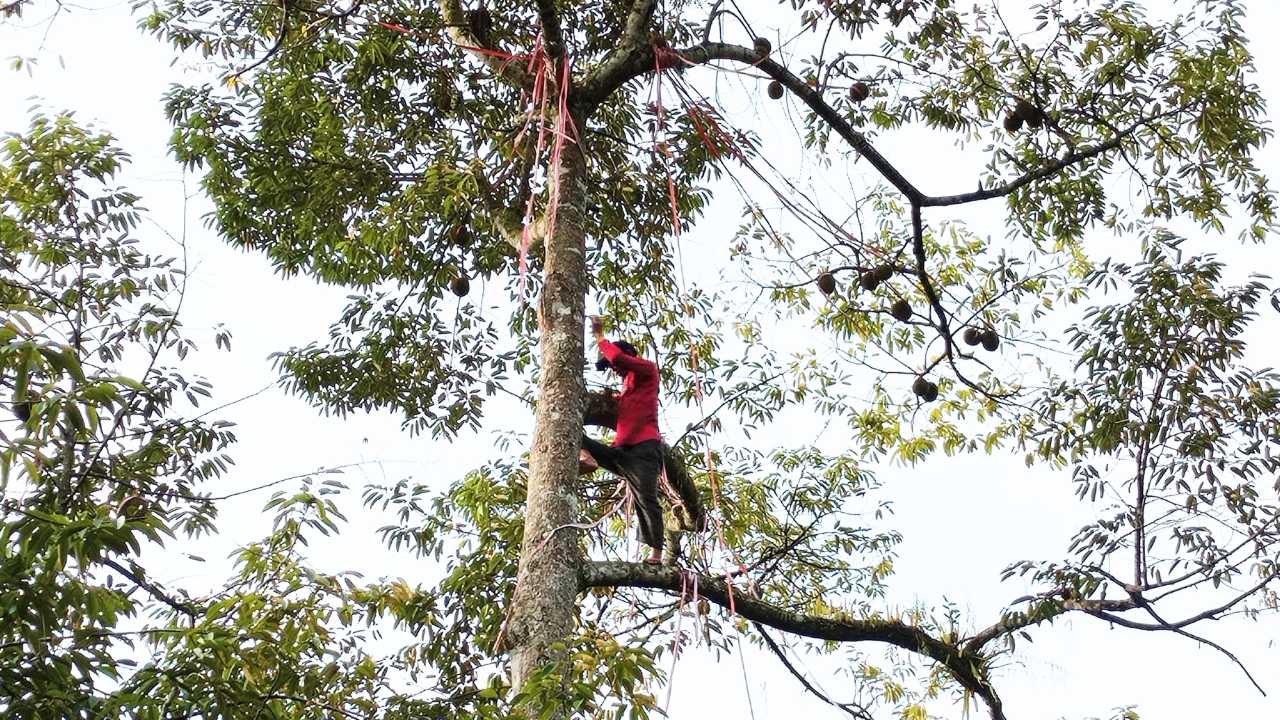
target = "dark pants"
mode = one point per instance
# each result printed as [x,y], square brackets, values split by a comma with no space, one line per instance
[639,465]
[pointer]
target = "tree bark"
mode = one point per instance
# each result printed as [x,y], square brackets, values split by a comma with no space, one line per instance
[544,604]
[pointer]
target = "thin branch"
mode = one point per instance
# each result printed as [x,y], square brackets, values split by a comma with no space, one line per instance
[281,34]
[1123,622]
[154,590]
[707,418]
[1050,167]
[1014,621]
[849,708]
[460,32]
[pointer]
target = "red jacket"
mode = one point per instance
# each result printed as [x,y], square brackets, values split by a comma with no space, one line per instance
[638,403]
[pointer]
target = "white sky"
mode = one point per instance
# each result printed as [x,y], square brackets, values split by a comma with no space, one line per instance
[963,519]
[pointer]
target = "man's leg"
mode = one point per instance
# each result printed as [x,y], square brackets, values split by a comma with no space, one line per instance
[643,463]
[606,456]
[639,466]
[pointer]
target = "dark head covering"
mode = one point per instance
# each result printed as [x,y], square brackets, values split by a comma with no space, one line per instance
[624,346]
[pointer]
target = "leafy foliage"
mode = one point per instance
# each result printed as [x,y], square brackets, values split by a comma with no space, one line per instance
[98,460]
[1169,427]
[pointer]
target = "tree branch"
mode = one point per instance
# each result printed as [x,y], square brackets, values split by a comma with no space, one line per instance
[631,59]
[926,285]
[153,590]
[281,34]
[1050,168]
[455,20]
[600,409]
[509,222]
[552,35]
[1198,638]
[12,8]
[1106,610]
[969,669]
[630,62]
[811,97]
[1017,620]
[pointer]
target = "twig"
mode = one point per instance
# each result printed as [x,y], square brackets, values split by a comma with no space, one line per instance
[154,590]
[848,708]
[280,36]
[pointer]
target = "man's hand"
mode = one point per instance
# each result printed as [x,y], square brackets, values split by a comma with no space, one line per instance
[597,326]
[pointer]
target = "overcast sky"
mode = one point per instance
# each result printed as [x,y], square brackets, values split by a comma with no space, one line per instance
[963,519]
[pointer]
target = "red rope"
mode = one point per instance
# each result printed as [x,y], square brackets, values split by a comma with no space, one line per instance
[538,105]
[714,138]
[661,146]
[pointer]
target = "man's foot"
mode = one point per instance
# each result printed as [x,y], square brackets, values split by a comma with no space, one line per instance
[655,558]
[586,463]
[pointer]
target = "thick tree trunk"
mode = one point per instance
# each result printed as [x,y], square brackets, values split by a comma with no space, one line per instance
[544,606]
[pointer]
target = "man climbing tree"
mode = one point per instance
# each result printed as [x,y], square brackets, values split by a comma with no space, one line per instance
[636,454]
[414,151]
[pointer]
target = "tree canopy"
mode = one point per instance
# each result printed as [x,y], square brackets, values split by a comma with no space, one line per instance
[475,176]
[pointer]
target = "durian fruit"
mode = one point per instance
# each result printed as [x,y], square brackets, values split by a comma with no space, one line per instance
[1030,114]
[869,281]
[972,336]
[827,283]
[925,389]
[775,90]
[763,47]
[990,340]
[901,310]
[1012,122]
[859,92]
[460,286]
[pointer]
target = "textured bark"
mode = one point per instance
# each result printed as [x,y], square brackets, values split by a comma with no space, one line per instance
[544,606]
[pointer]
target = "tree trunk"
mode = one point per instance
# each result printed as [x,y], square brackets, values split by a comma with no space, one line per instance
[544,605]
